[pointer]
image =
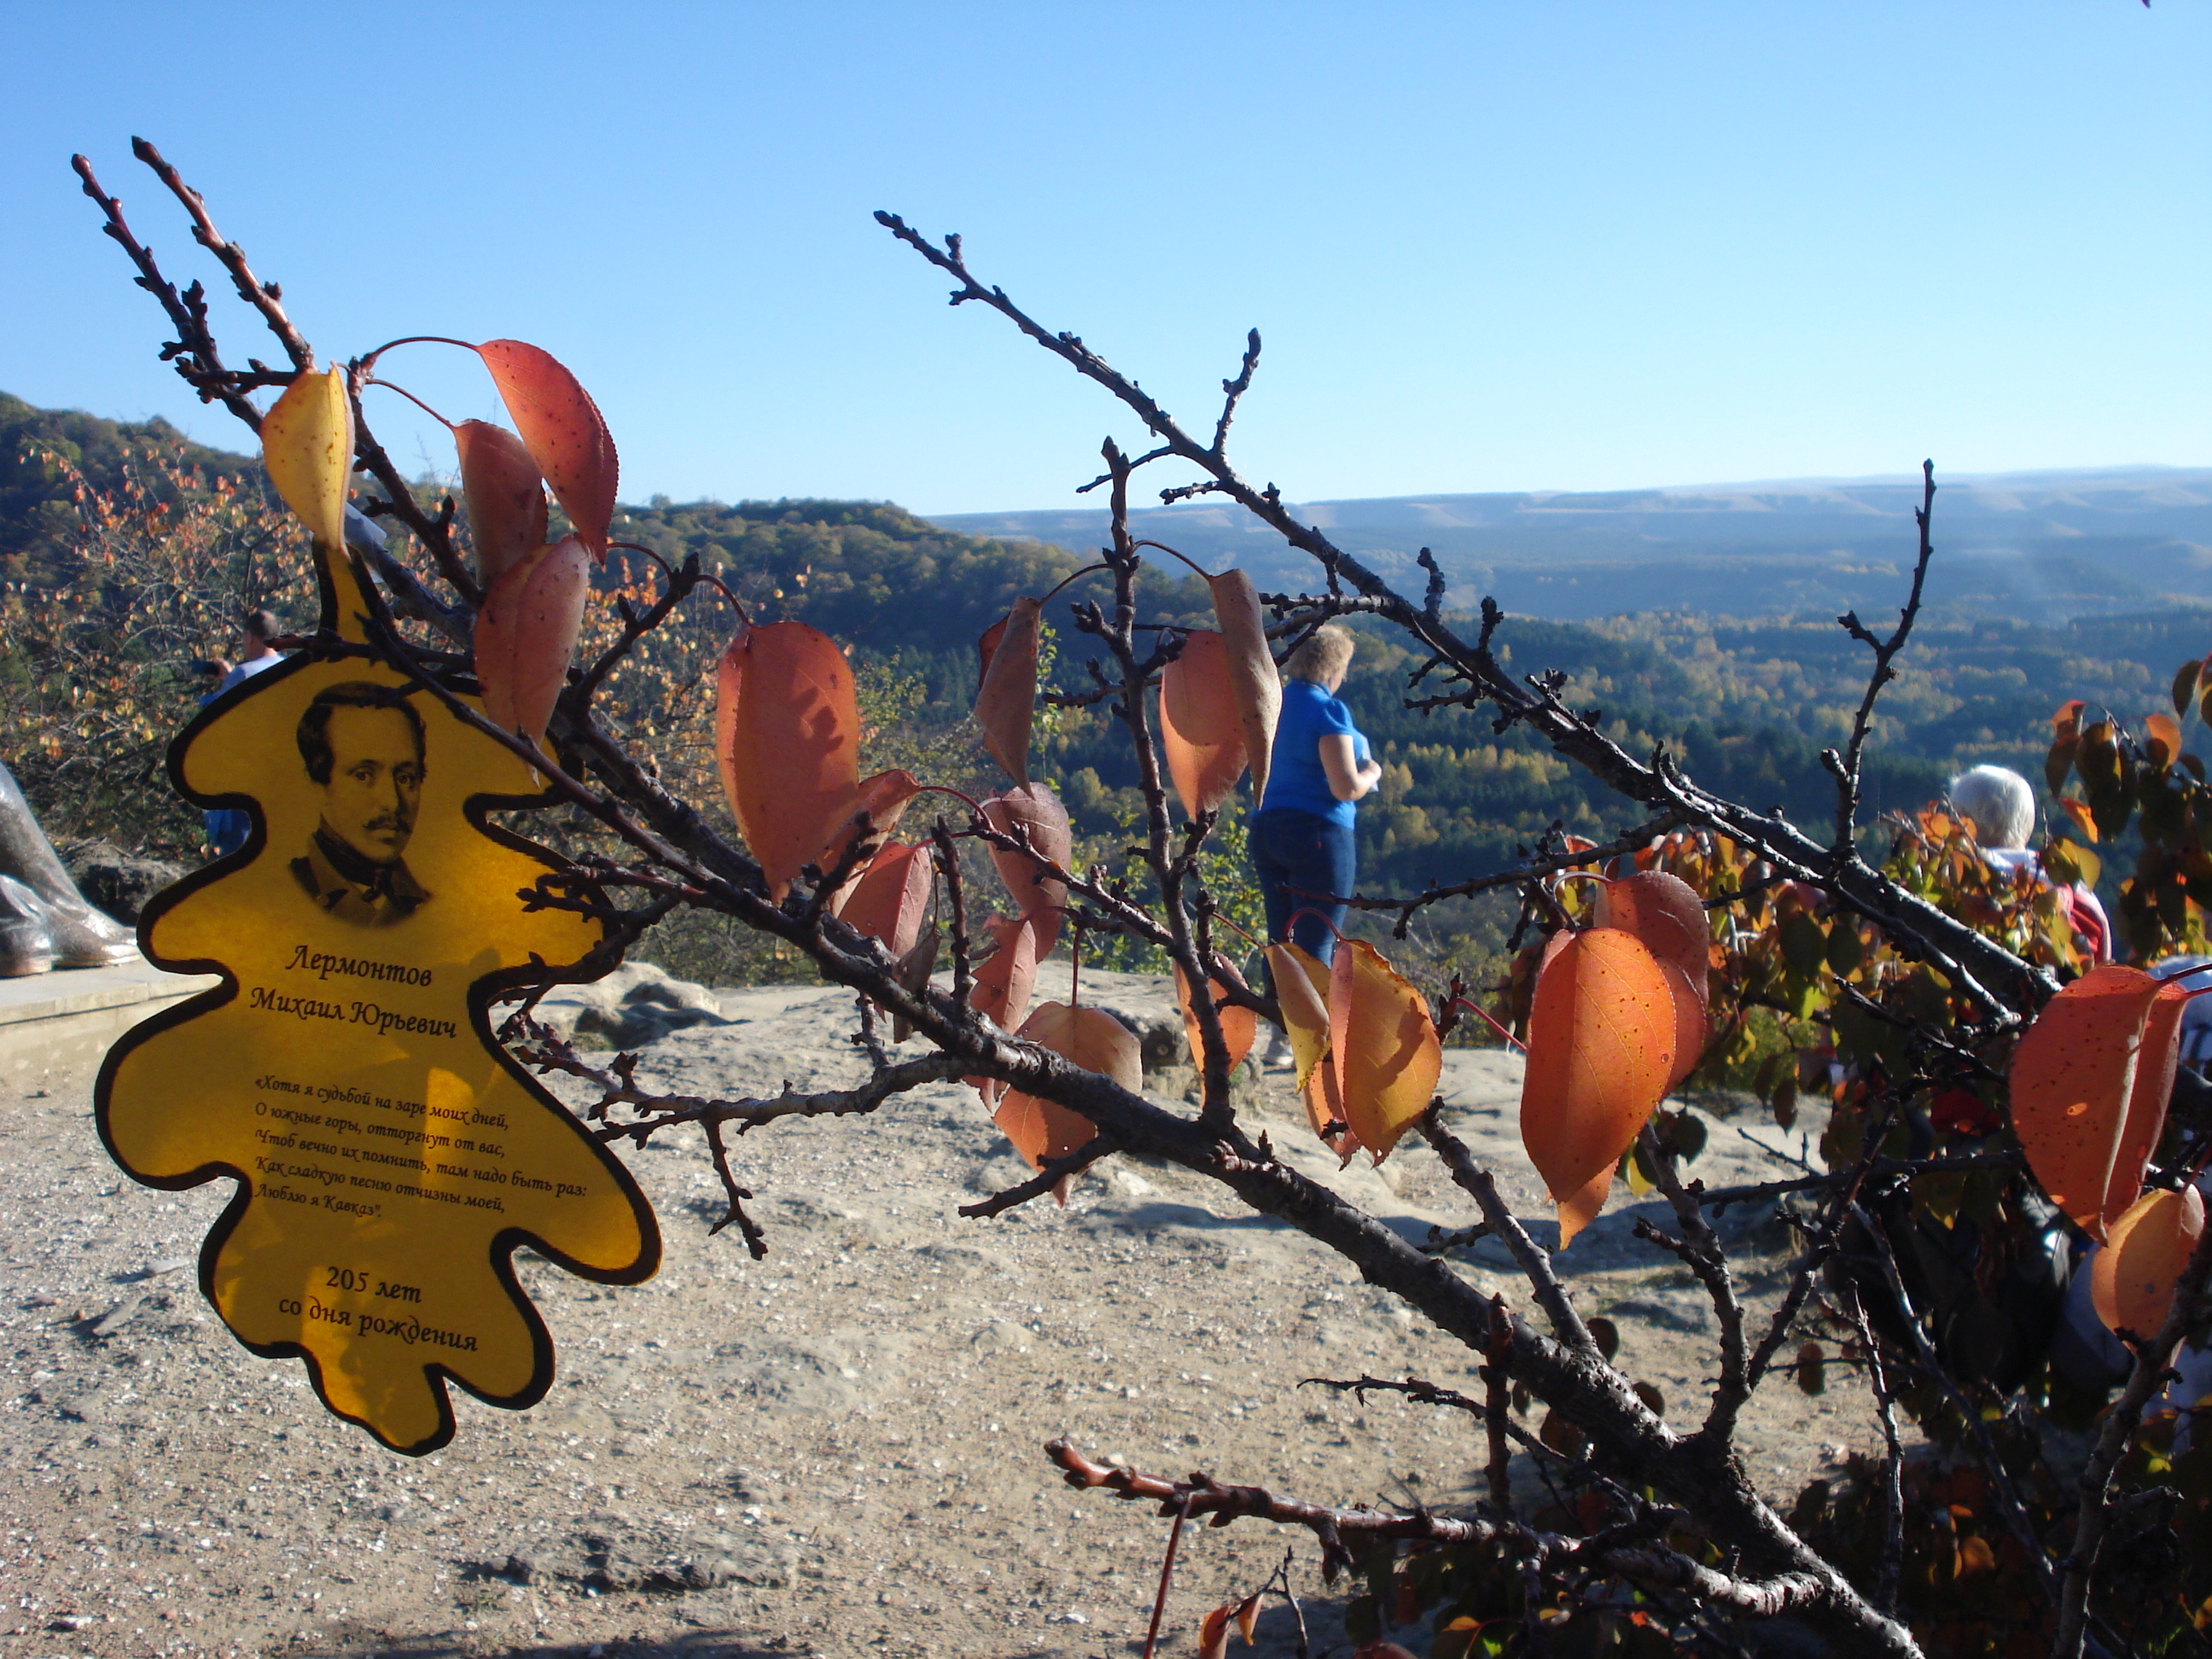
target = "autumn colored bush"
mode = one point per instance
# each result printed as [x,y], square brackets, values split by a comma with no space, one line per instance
[1995,1101]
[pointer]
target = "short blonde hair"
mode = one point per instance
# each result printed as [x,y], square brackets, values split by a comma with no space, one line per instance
[1997,803]
[1322,655]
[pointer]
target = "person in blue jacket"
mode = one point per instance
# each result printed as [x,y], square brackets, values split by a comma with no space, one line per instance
[1302,835]
[226,827]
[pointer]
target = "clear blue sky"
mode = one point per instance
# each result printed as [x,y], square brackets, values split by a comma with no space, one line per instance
[1490,245]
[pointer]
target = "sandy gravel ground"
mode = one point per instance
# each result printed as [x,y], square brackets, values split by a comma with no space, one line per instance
[832,1452]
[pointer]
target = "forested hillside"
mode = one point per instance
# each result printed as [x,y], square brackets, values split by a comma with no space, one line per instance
[1746,704]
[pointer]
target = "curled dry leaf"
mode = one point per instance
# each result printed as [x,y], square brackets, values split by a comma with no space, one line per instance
[1325,1113]
[526,632]
[1301,992]
[1213,1631]
[2131,1281]
[1600,1047]
[1002,985]
[1252,677]
[891,896]
[914,969]
[506,495]
[562,429]
[2089,1086]
[1089,1038]
[1005,702]
[1035,810]
[1384,1047]
[788,738]
[1247,1618]
[1239,1026]
[307,447]
[1201,727]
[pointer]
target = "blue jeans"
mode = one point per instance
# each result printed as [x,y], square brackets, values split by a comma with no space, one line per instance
[1294,853]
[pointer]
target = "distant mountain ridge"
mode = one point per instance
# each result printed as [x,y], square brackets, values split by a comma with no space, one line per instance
[2030,545]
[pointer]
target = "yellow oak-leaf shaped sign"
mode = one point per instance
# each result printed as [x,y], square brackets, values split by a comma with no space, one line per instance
[389,1156]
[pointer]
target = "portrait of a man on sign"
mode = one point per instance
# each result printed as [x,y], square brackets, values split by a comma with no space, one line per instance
[363,747]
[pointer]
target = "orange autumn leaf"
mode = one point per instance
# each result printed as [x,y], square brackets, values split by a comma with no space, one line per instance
[1257,687]
[506,494]
[1600,1047]
[2131,1281]
[1665,912]
[1033,809]
[1005,702]
[2145,1123]
[1579,1208]
[1002,986]
[306,448]
[525,634]
[2091,1076]
[2163,735]
[562,429]
[1239,1026]
[890,898]
[2078,812]
[1089,1038]
[1301,992]
[1383,1047]
[787,740]
[1200,728]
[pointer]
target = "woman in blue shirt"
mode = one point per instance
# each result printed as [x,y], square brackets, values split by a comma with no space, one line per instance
[1302,835]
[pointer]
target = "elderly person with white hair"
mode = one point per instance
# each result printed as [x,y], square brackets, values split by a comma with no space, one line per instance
[1999,807]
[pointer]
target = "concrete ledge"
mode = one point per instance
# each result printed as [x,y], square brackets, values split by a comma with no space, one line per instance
[70,1017]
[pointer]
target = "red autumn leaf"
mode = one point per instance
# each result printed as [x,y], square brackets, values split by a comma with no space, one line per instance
[891,896]
[2091,1076]
[1302,993]
[562,428]
[1600,1047]
[1239,1026]
[787,737]
[1005,702]
[1089,1038]
[1003,984]
[1383,1047]
[525,633]
[1200,726]
[2131,1281]
[506,495]
[1033,809]
[1252,678]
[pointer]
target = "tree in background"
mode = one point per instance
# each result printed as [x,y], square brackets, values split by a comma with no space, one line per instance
[1928,1003]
